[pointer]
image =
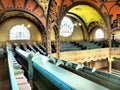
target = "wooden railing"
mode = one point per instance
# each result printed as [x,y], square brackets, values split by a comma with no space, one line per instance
[115,52]
[88,55]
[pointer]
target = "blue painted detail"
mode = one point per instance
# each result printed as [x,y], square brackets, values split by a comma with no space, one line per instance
[28,58]
[61,85]
[13,82]
[79,66]
[60,77]
[94,69]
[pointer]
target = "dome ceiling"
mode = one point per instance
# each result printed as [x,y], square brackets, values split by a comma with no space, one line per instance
[87,13]
[11,14]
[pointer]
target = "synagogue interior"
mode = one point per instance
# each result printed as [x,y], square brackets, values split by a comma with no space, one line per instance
[59,44]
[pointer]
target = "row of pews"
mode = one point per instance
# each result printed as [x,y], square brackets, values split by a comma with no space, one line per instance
[105,79]
[70,46]
[116,43]
[58,78]
[49,73]
[34,47]
[82,45]
[17,79]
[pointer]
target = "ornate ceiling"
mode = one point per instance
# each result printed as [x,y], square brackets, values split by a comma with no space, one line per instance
[44,4]
[86,13]
[49,11]
[29,9]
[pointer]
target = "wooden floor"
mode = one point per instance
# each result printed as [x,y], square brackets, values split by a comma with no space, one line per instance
[4,75]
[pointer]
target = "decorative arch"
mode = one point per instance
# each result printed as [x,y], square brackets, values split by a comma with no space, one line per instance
[55,26]
[92,30]
[29,6]
[78,20]
[116,33]
[67,6]
[19,32]
[95,24]
[28,9]
[56,29]
[114,29]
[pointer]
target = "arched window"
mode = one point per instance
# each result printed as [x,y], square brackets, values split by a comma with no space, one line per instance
[99,34]
[66,27]
[19,32]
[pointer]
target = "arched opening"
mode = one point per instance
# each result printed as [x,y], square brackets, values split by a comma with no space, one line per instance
[99,34]
[19,32]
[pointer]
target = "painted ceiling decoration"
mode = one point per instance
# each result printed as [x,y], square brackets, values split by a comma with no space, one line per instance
[70,3]
[11,14]
[52,15]
[87,13]
[49,11]
[92,11]
[23,7]
[44,4]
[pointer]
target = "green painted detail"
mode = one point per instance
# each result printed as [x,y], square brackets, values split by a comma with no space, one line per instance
[18,71]
[17,66]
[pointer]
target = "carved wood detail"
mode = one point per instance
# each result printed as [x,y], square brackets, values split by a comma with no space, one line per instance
[57,40]
[89,55]
[95,24]
[51,18]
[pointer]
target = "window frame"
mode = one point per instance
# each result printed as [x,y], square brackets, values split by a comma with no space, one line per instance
[26,31]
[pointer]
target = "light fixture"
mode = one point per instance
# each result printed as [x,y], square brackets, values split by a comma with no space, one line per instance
[77,24]
[28,26]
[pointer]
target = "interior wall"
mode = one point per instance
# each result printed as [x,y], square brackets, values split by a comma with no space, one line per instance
[8,24]
[52,35]
[77,35]
[117,34]
[93,38]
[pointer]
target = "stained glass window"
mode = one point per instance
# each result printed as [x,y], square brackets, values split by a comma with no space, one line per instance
[66,27]
[19,32]
[99,33]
